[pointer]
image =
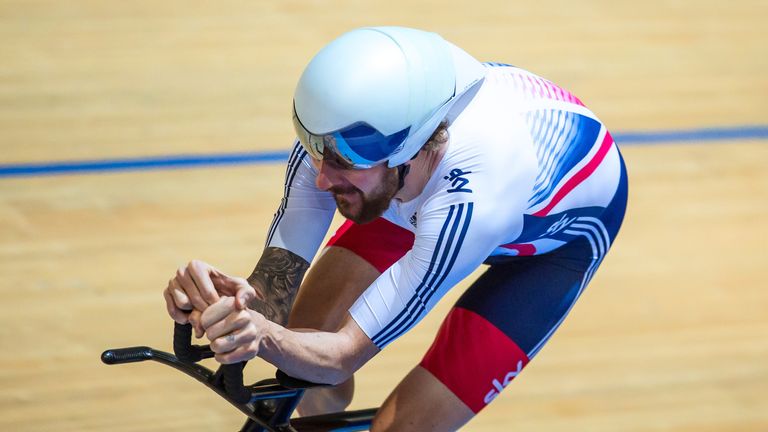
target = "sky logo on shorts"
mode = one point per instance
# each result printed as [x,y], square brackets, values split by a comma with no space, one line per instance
[559,225]
[456,177]
[499,386]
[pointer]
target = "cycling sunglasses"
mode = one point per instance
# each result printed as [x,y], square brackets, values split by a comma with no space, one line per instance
[360,145]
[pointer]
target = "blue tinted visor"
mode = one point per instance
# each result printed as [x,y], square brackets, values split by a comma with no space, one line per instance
[359,144]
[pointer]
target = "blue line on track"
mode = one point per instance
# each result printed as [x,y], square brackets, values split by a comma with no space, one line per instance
[140,163]
[693,135]
[253,158]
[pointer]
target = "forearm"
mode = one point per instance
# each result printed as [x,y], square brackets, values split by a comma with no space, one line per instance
[317,356]
[277,278]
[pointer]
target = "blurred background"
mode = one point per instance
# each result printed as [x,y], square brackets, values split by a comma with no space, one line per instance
[135,136]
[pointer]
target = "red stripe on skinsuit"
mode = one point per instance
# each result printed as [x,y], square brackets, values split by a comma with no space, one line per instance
[580,176]
[523,249]
[473,358]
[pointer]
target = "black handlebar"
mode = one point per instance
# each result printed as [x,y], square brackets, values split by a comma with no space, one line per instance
[126,355]
[284,392]
[183,348]
[229,376]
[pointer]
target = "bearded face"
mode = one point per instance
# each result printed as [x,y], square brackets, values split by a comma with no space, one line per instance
[363,207]
[361,195]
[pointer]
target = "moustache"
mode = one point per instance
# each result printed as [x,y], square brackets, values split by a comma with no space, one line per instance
[339,190]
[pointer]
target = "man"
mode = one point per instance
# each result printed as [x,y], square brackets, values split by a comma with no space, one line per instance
[440,164]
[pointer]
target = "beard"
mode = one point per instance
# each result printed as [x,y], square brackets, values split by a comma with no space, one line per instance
[363,208]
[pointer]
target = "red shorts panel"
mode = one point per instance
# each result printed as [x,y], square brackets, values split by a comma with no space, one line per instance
[380,242]
[473,358]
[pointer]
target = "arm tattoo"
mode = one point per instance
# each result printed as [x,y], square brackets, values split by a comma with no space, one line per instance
[277,277]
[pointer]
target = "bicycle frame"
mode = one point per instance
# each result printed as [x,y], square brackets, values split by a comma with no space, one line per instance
[268,403]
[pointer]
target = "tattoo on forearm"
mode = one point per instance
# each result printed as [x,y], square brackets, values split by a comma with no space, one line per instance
[277,276]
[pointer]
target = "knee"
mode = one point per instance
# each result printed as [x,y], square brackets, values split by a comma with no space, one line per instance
[327,400]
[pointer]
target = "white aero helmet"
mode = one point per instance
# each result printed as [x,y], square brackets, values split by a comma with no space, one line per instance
[377,94]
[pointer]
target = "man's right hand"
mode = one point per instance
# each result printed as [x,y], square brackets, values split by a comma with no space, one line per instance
[196,286]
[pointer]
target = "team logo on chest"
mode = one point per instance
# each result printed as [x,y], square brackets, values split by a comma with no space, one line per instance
[458,182]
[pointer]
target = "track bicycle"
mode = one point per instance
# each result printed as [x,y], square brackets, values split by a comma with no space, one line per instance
[268,404]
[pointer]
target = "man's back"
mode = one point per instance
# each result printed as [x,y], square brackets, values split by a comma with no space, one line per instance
[531,155]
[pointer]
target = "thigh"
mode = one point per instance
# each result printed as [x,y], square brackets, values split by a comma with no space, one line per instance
[329,289]
[354,257]
[421,403]
[503,320]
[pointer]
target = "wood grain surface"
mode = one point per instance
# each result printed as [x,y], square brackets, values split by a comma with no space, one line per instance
[672,334]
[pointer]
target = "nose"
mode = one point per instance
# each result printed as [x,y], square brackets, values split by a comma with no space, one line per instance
[327,176]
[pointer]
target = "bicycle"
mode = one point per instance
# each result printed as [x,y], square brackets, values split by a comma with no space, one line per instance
[268,403]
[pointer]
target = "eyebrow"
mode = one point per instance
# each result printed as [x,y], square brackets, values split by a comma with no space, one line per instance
[341,163]
[333,157]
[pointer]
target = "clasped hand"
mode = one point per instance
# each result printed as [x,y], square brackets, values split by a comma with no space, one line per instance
[216,306]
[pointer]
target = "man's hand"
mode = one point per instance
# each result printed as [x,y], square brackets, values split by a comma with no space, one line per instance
[235,332]
[197,286]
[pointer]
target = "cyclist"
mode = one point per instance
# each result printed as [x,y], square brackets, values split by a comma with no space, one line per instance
[440,164]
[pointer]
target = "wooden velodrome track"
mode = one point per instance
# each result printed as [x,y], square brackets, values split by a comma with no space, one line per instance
[672,334]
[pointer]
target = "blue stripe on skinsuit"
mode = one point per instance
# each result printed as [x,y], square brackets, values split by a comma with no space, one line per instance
[432,263]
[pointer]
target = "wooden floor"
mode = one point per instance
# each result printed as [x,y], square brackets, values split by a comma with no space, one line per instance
[672,335]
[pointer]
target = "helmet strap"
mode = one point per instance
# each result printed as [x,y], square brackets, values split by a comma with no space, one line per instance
[402,171]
